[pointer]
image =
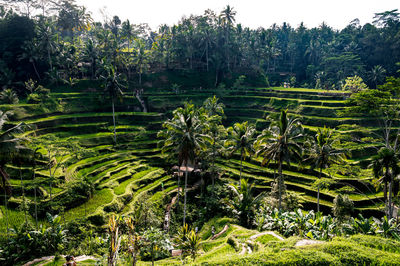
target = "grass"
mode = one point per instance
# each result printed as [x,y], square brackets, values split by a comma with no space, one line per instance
[99,198]
[122,186]
[15,218]
[304,90]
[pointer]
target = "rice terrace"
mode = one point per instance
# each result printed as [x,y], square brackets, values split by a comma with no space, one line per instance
[200,142]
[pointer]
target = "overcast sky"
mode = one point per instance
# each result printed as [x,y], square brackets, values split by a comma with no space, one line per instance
[251,13]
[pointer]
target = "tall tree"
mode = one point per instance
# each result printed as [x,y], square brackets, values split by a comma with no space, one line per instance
[241,138]
[323,153]
[112,84]
[12,147]
[183,138]
[280,143]
[385,168]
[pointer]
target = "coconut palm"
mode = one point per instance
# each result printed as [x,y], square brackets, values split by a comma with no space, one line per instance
[228,15]
[244,202]
[8,96]
[241,138]
[385,168]
[183,138]
[377,75]
[280,143]
[46,39]
[11,147]
[141,58]
[90,54]
[112,84]
[323,153]
[212,113]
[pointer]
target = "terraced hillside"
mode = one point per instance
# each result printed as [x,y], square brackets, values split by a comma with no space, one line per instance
[124,172]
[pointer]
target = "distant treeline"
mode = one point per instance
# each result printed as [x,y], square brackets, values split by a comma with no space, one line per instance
[58,41]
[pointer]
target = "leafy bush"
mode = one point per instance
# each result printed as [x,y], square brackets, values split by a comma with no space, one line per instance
[25,243]
[354,84]
[342,207]
[239,82]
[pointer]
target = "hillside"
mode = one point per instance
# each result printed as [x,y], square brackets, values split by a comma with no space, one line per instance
[123,173]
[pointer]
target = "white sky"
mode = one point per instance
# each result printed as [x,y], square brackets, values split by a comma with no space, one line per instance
[250,13]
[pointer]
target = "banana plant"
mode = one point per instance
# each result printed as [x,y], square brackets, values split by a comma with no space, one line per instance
[363,225]
[387,227]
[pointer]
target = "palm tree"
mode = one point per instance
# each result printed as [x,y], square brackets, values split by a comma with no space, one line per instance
[323,153]
[91,54]
[128,31]
[113,88]
[11,147]
[183,137]
[385,168]
[140,58]
[377,74]
[228,15]
[280,143]
[31,54]
[214,112]
[228,19]
[8,96]
[241,138]
[244,203]
[46,39]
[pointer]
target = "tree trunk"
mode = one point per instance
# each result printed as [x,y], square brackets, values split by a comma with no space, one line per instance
[5,209]
[213,169]
[49,57]
[34,191]
[35,199]
[319,178]
[390,209]
[179,181]
[207,56]
[51,184]
[35,69]
[23,195]
[113,110]
[385,190]
[216,77]
[241,163]
[280,185]
[184,202]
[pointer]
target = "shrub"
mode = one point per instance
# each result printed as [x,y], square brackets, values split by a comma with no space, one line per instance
[233,242]
[354,84]
[342,207]
[239,82]
[25,243]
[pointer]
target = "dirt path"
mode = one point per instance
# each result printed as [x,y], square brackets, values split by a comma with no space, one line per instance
[141,101]
[220,233]
[253,237]
[167,217]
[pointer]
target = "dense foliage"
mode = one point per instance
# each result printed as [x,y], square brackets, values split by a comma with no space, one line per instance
[57,41]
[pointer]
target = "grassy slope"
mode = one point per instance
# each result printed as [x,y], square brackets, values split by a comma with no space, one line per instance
[268,250]
[113,168]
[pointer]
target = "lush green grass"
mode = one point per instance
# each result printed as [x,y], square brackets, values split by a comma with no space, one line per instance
[122,186]
[15,218]
[99,198]
[305,90]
